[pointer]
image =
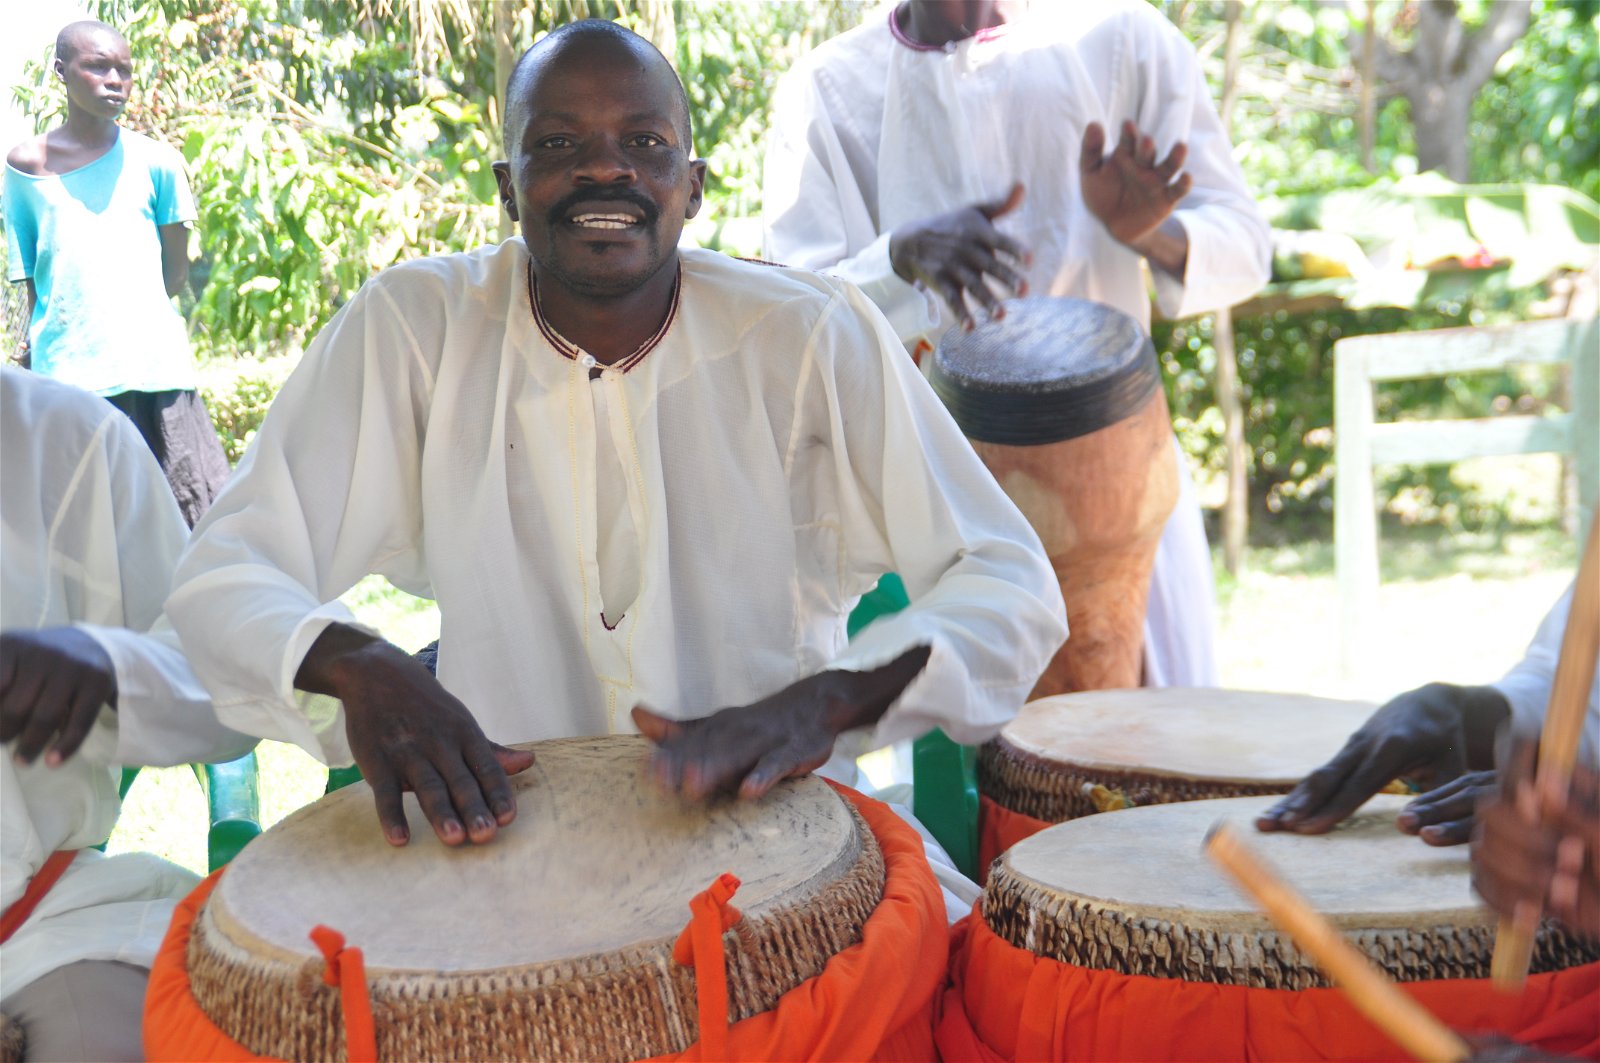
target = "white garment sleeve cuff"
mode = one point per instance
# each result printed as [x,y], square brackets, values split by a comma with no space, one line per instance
[913,311]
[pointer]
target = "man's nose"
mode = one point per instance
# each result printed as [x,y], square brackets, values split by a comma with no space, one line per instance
[603,161]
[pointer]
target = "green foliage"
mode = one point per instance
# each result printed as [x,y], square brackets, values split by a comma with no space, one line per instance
[237,394]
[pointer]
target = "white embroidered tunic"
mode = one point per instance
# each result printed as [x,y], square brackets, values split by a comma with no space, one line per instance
[688,529]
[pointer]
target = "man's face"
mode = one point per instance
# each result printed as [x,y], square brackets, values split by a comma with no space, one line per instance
[98,74]
[600,181]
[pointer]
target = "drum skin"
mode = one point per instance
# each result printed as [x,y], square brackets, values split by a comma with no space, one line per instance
[1061,399]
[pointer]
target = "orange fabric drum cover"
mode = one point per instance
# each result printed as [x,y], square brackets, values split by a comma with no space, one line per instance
[999,829]
[1005,1003]
[877,999]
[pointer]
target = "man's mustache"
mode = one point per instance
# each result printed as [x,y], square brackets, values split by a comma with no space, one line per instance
[565,205]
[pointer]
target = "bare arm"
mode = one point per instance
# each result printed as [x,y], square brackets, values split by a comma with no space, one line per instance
[174,256]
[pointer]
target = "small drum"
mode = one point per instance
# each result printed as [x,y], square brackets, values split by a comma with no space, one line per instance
[555,941]
[1062,400]
[1145,950]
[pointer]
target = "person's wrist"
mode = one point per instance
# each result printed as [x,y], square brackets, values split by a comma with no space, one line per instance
[902,269]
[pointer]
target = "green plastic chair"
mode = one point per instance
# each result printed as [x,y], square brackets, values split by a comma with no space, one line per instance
[233,796]
[944,774]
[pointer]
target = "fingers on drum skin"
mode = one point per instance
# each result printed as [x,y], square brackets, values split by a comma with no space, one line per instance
[1451,832]
[473,790]
[434,797]
[387,797]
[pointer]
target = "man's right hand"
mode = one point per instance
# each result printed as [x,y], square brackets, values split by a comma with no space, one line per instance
[408,733]
[1426,735]
[955,253]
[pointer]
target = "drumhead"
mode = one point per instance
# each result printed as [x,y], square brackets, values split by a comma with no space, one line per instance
[598,859]
[1148,862]
[1230,736]
[1052,369]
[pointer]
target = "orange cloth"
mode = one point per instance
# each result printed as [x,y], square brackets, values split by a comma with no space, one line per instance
[54,866]
[877,999]
[999,829]
[1004,1003]
[347,971]
[700,946]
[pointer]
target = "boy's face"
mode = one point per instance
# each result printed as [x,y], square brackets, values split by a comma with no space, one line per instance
[98,75]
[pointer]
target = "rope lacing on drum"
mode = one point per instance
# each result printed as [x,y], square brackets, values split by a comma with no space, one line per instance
[700,946]
[347,970]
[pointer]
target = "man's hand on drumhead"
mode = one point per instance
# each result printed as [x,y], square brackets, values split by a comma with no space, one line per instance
[53,684]
[1418,735]
[1128,190]
[752,748]
[408,733]
[958,254]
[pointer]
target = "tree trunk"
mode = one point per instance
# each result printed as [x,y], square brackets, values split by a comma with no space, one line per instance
[1236,508]
[1369,93]
[1441,73]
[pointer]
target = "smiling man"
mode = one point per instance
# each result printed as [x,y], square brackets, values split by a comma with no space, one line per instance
[96,227]
[646,486]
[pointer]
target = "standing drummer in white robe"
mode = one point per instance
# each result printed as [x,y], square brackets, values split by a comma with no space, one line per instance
[90,537]
[646,487]
[949,150]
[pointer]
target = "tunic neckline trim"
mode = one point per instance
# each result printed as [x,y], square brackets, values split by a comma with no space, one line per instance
[918,46]
[569,350]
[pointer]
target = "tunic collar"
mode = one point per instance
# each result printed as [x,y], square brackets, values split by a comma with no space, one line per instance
[567,349]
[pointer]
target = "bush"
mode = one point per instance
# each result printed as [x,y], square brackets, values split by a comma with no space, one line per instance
[238,393]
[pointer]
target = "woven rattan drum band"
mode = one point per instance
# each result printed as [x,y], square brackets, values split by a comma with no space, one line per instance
[589,822]
[1159,746]
[1131,892]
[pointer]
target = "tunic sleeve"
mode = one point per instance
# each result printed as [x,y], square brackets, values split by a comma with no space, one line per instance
[328,492]
[1527,685]
[174,201]
[1230,244]
[814,216]
[915,499]
[115,540]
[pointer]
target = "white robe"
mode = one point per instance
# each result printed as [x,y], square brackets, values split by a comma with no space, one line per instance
[869,133]
[91,534]
[690,533]
[1527,685]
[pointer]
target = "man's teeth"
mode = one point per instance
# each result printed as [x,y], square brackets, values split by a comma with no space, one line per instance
[604,221]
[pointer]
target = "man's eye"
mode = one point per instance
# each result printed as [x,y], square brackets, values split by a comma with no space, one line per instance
[647,140]
[556,142]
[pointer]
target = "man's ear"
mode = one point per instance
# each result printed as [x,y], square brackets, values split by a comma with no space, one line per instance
[508,193]
[697,188]
[61,71]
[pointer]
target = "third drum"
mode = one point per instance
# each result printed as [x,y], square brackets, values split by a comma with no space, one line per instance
[1113,937]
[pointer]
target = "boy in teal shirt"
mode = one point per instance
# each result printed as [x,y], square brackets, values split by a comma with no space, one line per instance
[96,223]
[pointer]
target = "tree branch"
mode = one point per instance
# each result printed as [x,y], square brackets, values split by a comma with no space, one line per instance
[1508,20]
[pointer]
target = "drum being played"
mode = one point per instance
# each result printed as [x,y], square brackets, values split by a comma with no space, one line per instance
[1078,754]
[1062,400]
[1113,937]
[567,937]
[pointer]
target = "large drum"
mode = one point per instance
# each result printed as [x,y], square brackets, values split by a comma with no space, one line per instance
[1113,937]
[569,936]
[1077,754]
[1062,400]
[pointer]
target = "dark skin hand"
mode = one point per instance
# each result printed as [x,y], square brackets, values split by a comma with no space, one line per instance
[408,733]
[1430,735]
[751,748]
[954,254]
[1444,816]
[53,683]
[1532,853]
[1133,194]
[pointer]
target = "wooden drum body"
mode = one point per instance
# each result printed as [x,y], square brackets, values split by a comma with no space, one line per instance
[1126,925]
[1062,400]
[556,941]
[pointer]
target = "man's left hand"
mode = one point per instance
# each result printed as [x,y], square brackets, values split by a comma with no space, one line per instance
[752,748]
[1128,190]
[53,683]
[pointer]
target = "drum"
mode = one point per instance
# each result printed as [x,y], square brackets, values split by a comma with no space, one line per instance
[1078,754]
[1062,400]
[568,937]
[1114,937]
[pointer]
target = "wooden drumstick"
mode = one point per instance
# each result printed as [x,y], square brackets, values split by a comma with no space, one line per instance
[1406,1022]
[1558,747]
